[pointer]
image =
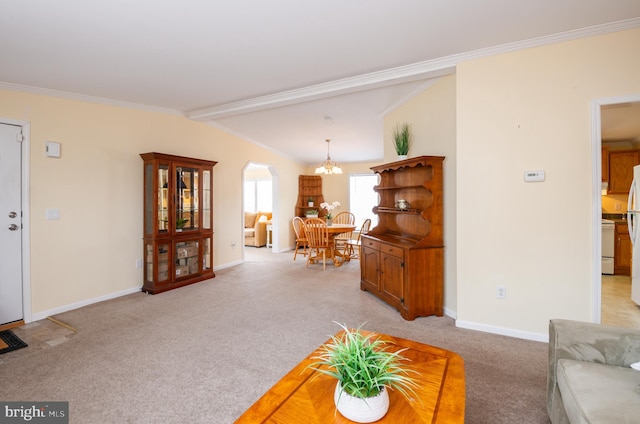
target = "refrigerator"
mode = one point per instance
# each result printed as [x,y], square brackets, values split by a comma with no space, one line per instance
[633,221]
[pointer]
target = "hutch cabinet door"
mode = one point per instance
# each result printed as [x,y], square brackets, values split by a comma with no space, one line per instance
[392,278]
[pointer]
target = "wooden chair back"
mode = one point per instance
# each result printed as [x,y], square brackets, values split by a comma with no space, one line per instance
[316,233]
[344,218]
[298,227]
[352,244]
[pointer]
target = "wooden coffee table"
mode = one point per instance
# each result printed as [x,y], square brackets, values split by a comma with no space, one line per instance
[305,395]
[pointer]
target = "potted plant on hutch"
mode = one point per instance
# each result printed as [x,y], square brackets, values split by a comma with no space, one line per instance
[402,140]
[365,369]
[311,213]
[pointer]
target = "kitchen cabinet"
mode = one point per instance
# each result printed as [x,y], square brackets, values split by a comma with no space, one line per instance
[621,165]
[623,250]
[178,221]
[402,257]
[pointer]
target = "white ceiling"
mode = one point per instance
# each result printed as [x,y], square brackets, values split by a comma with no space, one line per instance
[272,71]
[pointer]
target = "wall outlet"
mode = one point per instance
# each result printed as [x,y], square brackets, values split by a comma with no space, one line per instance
[617,206]
[233,244]
[501,292]
[139,263]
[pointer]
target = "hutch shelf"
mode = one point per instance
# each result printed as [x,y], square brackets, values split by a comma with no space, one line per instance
[402,257]
[178,221]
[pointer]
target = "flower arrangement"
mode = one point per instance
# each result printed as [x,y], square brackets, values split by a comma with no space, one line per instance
[329,207]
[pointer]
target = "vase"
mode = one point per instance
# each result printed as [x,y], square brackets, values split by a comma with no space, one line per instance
[402,157]
[329,222]
[361,410]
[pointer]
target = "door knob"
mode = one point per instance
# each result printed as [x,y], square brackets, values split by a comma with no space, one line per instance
[12,214]
[13,227]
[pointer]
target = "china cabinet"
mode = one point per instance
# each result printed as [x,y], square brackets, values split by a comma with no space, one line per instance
[178,221]
[402,257]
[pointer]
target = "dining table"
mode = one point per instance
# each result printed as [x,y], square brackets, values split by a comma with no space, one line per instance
[333,230]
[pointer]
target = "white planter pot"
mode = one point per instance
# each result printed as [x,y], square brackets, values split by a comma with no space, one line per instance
[402,157]
[361,410]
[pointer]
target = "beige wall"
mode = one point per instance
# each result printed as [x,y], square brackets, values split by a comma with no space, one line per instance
[530,110]
[91,251]
[432,116]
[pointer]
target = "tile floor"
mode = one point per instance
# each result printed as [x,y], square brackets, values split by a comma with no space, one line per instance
[38,335]
[617,307]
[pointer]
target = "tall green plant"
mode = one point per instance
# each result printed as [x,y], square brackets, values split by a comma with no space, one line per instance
[402,138]
[364,365]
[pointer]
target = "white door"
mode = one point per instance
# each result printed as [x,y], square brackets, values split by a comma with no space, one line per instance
[10,224]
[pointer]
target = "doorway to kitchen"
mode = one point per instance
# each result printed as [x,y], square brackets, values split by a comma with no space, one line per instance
[616,133]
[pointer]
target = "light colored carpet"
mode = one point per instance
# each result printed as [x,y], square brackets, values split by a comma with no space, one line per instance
[204,353]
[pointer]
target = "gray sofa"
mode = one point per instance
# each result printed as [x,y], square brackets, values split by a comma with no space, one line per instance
[589,378]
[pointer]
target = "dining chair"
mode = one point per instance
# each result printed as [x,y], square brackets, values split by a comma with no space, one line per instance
[317,235]
[352,244]
[301,238]
[342,238]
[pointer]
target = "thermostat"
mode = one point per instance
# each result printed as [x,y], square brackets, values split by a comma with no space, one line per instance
[533,176]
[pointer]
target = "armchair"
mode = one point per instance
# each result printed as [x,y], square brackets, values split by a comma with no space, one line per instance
[589,377]
[255,228]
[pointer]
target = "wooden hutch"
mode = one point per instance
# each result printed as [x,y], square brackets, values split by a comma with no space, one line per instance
[309,187]
[178,221]
[402,257]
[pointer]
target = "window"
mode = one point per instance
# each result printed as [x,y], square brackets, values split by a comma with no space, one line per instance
[257,195]
[362,197]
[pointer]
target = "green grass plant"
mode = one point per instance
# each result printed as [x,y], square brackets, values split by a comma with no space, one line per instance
[364,365]
[402,138]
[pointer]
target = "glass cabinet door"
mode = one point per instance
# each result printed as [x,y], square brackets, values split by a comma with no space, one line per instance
[206,199]
[163,197]
[186,199]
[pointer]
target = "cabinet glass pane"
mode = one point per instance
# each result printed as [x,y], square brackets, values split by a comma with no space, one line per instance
[186,258]
[206,254]
[148,199]
[206,199]
[163,198]
[163,262]
[187,198]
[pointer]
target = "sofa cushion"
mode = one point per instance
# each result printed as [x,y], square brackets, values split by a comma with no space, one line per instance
[599,393]
[250,219]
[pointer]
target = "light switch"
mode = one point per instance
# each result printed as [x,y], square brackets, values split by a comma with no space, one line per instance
[53,213]
[52,149]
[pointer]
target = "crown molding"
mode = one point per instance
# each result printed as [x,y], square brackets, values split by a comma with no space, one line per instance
[85,98]
[413,72]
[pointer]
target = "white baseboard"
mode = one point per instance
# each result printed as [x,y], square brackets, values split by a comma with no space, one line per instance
[227,265]
[538,337]
[450,313]
[44,314]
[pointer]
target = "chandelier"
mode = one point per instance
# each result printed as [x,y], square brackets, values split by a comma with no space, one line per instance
[328,166]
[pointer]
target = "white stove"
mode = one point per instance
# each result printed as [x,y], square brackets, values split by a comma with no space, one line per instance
[608,246]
